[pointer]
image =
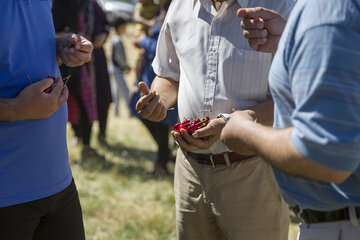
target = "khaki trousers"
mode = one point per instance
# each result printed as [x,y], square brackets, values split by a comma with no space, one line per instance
[239,202]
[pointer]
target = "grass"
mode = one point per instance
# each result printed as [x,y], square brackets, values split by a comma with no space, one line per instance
[119,200]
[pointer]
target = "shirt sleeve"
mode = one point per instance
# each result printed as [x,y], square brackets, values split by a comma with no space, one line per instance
[166,62]
[324,68]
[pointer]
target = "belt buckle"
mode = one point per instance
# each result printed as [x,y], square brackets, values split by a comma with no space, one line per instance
[212,161]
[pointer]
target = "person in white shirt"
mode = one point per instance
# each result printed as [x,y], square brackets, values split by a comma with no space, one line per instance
[204,62]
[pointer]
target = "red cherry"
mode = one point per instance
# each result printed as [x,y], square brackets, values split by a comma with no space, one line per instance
[176,126]
[48,90]
[183,127]
[197,120]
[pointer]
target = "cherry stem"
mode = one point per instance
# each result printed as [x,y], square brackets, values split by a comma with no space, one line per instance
[27,75]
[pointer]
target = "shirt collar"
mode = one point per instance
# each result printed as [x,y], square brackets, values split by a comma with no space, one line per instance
[242,3]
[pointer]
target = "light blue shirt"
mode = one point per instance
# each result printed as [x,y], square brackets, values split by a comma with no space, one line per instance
[315,82]
[33,154]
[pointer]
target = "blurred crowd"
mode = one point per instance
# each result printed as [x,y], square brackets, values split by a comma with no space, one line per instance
[90,93]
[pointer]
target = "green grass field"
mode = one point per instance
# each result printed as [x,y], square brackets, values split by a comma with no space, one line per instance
[119,200]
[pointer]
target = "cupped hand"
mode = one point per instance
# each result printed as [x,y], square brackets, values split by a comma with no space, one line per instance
[202,138]
[262,27]
[33,103]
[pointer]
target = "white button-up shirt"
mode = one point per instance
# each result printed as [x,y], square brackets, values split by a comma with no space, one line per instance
[206,52]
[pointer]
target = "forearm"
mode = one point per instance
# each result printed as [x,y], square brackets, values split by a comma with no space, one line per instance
[167,89]
[8,110]
[275,147]
[264,112]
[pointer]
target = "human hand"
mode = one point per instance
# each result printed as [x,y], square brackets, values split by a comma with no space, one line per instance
[202,138]
[233,134]
[150,105]
[262,27]
[138,39]
[33,103]
[74,50]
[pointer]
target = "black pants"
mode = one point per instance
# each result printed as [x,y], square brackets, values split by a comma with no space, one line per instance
[102,116]
[57,217]
[83,129]
[160,133]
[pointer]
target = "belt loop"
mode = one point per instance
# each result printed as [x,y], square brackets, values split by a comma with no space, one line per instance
[353,218]
[227,160]
[299,216]
[212,160]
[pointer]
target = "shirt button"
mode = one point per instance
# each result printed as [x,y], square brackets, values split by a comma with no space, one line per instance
[212,76]
[213,49]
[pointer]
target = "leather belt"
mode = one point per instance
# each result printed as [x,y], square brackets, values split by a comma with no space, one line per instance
[218,159]
[311,216]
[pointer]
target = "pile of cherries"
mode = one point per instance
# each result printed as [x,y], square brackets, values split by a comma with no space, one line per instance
[191,126]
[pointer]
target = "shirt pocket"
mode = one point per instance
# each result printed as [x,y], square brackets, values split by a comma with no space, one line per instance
[248,74]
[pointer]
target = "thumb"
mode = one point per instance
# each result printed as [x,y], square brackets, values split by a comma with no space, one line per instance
[257,12]
[43,84]
[203,132]
[144,89]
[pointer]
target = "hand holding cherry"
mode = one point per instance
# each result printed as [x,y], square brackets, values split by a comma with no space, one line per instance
[198,134]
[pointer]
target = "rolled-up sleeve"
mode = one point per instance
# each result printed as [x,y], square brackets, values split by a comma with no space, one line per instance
[166,62]
[325,70]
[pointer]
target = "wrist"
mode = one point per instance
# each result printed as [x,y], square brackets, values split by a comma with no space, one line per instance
[224,116]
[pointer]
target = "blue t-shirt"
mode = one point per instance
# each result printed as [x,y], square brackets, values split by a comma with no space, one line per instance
[315,82]
[33,154]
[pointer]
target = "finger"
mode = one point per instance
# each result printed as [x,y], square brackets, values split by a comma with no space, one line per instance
[143,88]
[84,46]
[74,38]
[79,57]
[159,112]
[63,96]
[204,132]
[150,108]
[250,24]
[43,84]
[68,59]
[200,144]
[56,91]
[255,43]
[143,101]
[255,33]
[257,12]
[185,145]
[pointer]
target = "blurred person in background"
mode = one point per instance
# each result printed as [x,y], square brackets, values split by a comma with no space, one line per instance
[159,130]
[38,196]
[120,65]
[98,31]
[70,16]
[145,13]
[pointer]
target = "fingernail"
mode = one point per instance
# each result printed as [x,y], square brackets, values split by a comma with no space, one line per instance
[195,134]
[263,33]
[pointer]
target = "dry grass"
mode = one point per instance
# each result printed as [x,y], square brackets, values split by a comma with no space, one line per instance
[119,200]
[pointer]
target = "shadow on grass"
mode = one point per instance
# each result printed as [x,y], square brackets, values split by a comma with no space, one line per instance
[132,163]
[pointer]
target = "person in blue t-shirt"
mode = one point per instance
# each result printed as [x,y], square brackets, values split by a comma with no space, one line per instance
[38,197]
[315,144]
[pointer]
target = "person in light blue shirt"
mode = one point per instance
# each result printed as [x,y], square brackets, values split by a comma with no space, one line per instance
[38,198]
[315,84]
